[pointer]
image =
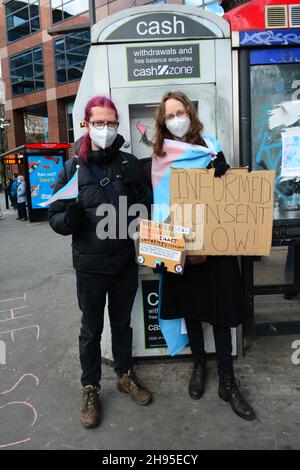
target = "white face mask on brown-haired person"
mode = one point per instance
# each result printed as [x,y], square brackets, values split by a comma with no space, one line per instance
[176,118]
[178,125]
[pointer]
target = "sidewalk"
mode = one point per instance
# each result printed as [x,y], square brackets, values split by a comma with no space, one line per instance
[40,387]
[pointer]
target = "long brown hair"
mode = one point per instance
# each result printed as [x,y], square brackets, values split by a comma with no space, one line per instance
[161,132]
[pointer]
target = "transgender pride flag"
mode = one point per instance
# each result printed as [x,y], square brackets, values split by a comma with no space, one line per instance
[178,155]
[69,191]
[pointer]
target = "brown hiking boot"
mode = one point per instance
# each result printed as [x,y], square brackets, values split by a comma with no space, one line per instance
[128,383]
[90,407]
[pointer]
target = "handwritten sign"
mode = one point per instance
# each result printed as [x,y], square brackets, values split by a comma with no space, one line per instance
[231,215]
[159,242]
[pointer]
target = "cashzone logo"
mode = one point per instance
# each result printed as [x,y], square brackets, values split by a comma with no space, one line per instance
[164,71]
[163,62]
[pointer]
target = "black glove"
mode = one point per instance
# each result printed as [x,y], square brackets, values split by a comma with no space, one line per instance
[75,215]
[131,177]
[160,268]
[221,168]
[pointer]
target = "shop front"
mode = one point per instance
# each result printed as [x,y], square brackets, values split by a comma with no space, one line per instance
[266,52]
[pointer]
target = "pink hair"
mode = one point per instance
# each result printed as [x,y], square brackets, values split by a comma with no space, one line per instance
[103,102]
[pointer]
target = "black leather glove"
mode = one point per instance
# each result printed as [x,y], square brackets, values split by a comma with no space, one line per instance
[221,168]
[75,214]
[160,268]
[131,177]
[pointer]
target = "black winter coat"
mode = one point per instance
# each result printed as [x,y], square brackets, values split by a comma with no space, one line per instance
[91,254]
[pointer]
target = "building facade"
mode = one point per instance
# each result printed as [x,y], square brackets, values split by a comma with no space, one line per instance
[41,71]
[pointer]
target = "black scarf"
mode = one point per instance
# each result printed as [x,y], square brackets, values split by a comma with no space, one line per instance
[106,156]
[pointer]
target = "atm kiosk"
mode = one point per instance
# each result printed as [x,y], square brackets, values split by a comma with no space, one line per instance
[136,56]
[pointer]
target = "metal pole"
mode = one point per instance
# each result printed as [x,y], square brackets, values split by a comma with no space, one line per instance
[2,150]
[5,188]
[246,159]
[245,109]
[3,124]
[92,12]
[3,166]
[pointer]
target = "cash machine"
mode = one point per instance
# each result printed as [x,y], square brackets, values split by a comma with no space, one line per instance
[136,56]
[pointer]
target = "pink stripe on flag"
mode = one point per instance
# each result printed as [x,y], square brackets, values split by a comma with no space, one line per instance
[70,192]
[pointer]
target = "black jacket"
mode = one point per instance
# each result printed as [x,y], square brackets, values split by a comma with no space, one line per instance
[90,253]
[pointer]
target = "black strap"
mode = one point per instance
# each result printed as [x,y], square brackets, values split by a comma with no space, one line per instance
[105,182]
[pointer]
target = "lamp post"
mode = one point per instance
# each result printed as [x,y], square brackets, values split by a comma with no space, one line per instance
[3,124]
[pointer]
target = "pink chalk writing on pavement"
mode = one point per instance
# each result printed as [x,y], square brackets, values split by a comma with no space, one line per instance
[13,316]
[28,374]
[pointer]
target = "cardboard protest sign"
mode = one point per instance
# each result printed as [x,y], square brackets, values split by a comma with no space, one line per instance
[230,215]
[161,242]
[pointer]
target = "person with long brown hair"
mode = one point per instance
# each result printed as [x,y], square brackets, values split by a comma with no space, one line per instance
[210,289]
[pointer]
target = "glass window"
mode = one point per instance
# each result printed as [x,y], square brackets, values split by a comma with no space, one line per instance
[64,9]
[212,5]
[18,18]
[74,73]
[39,85]
[27,72]
[60,61]
[70,56]
[275,91]
[60,45]
[35,25]
[14,6]
[34,10]
[61,76]
[56,3]
[22,18]
[39,71]
[69,110]
[57,15]
[38,55]
[20,60]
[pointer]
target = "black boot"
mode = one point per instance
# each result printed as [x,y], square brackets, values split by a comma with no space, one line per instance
[229,391]
[197,381]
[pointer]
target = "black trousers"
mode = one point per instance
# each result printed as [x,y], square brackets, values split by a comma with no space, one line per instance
[21,207]
[92,290]
[223,343]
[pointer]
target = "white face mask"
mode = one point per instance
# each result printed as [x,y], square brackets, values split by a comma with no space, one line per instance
[103,138]
[178,126]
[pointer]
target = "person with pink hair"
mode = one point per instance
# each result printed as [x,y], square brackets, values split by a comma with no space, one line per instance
[104,260]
